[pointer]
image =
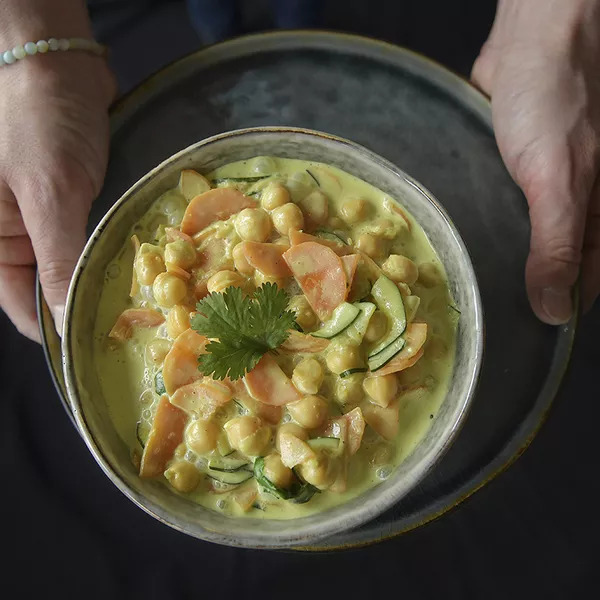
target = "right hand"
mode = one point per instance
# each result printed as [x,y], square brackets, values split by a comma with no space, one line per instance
[53,156]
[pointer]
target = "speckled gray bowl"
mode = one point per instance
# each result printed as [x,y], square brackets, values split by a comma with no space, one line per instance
[84,392]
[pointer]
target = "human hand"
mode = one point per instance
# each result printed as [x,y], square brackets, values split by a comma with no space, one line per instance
[540,67]
[53,154]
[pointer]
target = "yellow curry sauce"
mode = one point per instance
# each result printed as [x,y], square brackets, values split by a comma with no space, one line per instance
[280,221]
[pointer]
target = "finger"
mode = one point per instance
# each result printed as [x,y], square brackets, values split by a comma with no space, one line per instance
[482,72]
[17,298]
[557,208]
[55,214]
[590,270]
[16,250]
[11,221]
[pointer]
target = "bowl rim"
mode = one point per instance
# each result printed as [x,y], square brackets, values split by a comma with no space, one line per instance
[311,533]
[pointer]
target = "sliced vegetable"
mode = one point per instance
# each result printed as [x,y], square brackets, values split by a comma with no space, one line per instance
[382,358]
[267,258]
[293,450]
[299,237]
[350,263]
[357,329]
[181,362]
[415,336]
[202,398]
[267,412]
[234,478]
[228,465]
[219,180]
[192,184]
[356,429]
[343,316]
[383,420]
[133,318]
[331,445]
[320,274]
[223,446]
[304,493]
[353,371]
[329,235]
[166,434]
[269,384]
[214,205]
[300,342]
[141,433]
[266,483]
[389,301]
[245,495]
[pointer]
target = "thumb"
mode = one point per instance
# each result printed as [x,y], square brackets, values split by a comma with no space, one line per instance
[55,215]
[557,208]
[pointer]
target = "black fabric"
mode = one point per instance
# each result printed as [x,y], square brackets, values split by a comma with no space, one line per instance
[68,532]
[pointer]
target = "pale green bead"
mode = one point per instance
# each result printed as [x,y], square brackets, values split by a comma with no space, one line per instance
[9,57]
[53,44]
[19,52]
[42,46]
[63,44]
[30,48]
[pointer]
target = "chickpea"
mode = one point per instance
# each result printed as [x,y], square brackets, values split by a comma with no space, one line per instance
[260,278]
[183,476]
[315,207]
[220,281]
[178,320]
[371,245]
[168,289]
[320,471]
[411,306]
[276,472]
[202,435]
[240,261]
[310,412]
[253,224]
[354,210]
[156,350]
[287,217]
[377,327]
[180,253]
[400,269]
[247,434]
[429,275]
[148,265]
[405,290]
[385,228]
[305,316]
[349,390]
[292,428]
[343,358]
[383,389]
[308,376]
[273,196]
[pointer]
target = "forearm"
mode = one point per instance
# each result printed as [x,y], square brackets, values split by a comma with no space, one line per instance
[30,20]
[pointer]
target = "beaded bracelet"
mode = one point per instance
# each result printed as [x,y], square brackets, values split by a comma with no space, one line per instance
[52,45]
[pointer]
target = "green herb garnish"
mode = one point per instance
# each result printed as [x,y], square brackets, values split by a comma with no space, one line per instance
[242,329]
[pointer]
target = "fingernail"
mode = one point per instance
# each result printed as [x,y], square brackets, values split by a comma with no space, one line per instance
[557,304]
[58,313]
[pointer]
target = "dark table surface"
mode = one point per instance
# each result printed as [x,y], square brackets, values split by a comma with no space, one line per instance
[531,533]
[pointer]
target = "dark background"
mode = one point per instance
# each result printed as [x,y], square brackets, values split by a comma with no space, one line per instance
[531,533]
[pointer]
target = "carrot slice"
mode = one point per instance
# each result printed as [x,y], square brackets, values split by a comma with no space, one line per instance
[269,384]
[267,412]
[320,273]
[181,362]
[383,420]
[212,255]
[172,234]
[299,237]
[245,495]
[215,205]
[300,342]
[350,262]
[416,334]
[165,435]
[356,428]
[267,258]
[294,450]
[131,318]
[135,285]
[202,398]
[191,184]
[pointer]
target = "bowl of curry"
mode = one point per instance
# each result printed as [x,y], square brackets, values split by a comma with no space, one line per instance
[272,337]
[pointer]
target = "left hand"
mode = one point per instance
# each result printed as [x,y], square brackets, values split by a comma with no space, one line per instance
[540,67]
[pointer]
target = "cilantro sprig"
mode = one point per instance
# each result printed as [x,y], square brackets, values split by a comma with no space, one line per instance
[241,328]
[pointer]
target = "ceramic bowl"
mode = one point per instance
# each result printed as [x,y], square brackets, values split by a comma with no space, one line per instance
[90,409]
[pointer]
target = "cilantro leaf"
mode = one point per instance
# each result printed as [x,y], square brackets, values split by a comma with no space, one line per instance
[242,329]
